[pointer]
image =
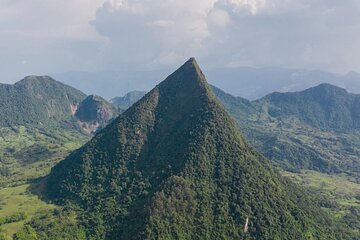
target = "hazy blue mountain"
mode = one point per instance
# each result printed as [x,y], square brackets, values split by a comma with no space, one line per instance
[119,82]
[247,82]
[128,100]
[254,83]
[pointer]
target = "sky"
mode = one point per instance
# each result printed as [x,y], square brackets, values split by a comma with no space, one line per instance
[51,36]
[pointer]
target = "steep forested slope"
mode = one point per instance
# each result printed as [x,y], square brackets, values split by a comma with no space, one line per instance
[174,166]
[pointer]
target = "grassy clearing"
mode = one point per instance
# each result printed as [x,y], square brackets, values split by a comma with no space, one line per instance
[17,199]
[339,195]
[26,154]
[336,187]
[29,153]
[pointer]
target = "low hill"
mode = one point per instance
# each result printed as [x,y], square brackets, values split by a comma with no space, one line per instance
[94,112]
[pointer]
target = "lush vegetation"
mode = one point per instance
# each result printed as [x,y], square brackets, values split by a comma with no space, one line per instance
[15,217]
[17,206]
[41,121]
[27,153]
[37,127]
[52,224]
[135,180]
[294,139]
[338,196]
[37,101]
[324,107]
[174,166]
[316,129]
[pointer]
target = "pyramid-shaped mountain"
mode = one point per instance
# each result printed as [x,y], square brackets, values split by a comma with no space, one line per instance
[174,166]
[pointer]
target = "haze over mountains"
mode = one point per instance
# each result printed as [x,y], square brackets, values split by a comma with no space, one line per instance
[310,133]
[246,82]
[129,99]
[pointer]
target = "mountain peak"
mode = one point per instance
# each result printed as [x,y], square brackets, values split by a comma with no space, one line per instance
[95,98]
[192,69]
[128,100]
[34,78]
[186,81]
[192,61]
[37,100]
[328,86]
[175,165]
[326,90]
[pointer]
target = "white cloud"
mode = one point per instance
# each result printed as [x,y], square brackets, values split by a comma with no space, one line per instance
[218,18]
[55,35]
[253,6]
[50,35]
[290,33]
[162,31]
[49,18]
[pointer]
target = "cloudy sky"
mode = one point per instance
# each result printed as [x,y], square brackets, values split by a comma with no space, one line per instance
[52,36]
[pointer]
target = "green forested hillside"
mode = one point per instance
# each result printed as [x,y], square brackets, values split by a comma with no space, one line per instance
[297,141]
[325,107]
[37,127]
[37,101]
[316,129]
[174,166]
[41,121]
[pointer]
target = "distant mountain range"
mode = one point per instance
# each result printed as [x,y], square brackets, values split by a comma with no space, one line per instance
[128,100]
[174,166]
[247,82]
